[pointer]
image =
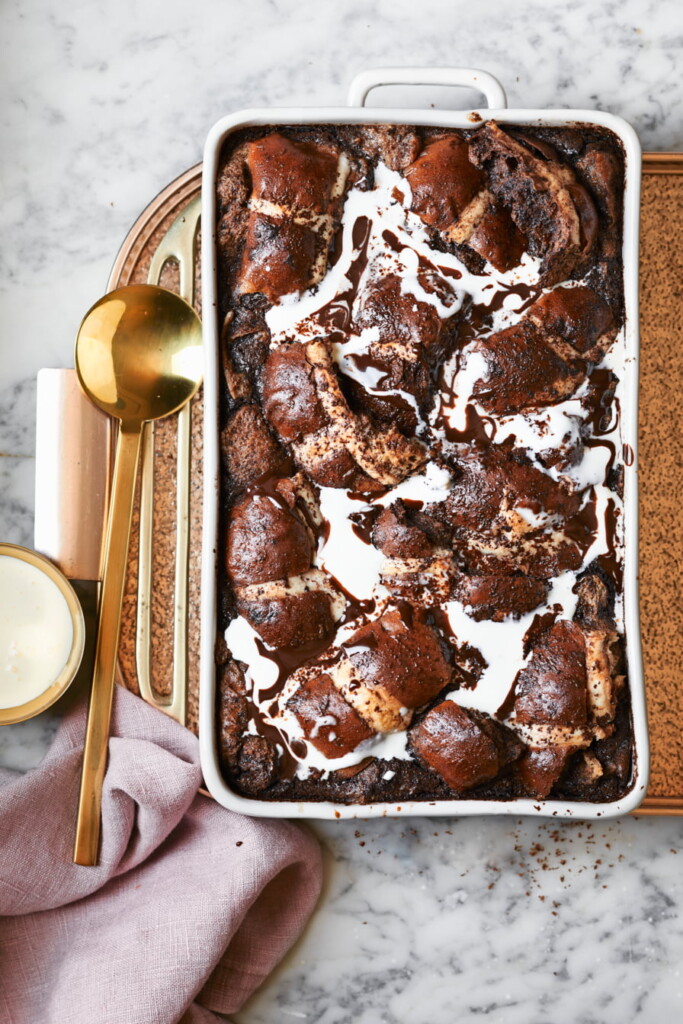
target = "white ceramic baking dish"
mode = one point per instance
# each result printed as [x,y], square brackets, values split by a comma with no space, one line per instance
[357,113]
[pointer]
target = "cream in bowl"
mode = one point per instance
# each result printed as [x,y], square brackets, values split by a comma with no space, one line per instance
[42,633]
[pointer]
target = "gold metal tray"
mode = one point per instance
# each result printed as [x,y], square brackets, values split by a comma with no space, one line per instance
[661,480]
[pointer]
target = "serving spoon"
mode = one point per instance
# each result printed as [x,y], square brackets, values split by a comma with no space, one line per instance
[139,358]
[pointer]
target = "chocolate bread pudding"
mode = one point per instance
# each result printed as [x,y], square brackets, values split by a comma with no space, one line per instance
[421,592]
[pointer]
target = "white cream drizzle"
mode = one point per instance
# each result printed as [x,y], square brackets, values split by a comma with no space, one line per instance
[387,207]
[261,674]
[429,486]
[460,382]
[501,644]
[347,557]
[537,430]
[344,555]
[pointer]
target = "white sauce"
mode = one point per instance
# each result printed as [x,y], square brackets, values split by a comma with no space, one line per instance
[461,383]
[501,644]
[241,640]
[387,207]
[433,484]
[262,674]
[36,632]
[343,554]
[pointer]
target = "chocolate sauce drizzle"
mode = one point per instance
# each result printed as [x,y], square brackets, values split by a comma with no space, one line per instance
[611,561]
[478,429]
[335,316]
[292,752]
[431,276]
[468,663]
[363,521]
[288,660]
[582,527]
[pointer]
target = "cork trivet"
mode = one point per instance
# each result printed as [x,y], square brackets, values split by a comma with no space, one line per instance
[661,474]
[131,267]
[661,482]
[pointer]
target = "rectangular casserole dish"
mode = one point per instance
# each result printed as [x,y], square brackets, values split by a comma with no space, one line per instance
[459,120]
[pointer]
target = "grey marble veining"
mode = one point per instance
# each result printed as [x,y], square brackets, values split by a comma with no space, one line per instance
[18,418]
[17,483]
[517,922]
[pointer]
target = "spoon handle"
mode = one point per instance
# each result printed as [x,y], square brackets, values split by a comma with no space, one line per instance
[99,712]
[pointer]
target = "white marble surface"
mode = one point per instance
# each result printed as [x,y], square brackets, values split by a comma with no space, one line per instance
[102,104]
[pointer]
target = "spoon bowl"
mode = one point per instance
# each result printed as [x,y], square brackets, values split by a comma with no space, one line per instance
[139,358]
[139,353]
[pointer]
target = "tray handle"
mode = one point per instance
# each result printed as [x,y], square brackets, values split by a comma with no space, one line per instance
[472,78]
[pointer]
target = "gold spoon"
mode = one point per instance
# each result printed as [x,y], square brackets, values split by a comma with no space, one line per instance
[139,358]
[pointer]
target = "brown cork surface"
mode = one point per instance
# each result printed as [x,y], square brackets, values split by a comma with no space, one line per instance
[661,481]
[132,267]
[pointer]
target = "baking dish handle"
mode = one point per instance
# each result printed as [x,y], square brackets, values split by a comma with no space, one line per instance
[472,78]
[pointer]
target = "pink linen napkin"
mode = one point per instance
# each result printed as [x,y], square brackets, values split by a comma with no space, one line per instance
[189,909]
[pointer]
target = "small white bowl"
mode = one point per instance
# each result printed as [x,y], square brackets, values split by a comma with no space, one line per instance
[55,689]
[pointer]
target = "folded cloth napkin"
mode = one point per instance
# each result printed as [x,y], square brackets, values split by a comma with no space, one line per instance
[191,905]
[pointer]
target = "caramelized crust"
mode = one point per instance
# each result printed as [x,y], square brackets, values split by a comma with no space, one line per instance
[257,763]
[547,203]
[421,569]
[297,176]
[409,336]
[295,188]
[280,257]
[497,597]
[266,541]
[464,747]
[507,516]
[492,486]
[333,445]
[290,399]
[396,145]
[538,770]
[451,195]
[422,581]
[251,760]
[542,359]
[551,688]
[290,615]
[578,316]
[386,669]
[426,579]
[269,555]
[604,656]
[443,182]
[250,451]
[400,652]
[566,698]
[496,237]
[396,536]
[525,370]
[330,724]
[602,174]
[233,714]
